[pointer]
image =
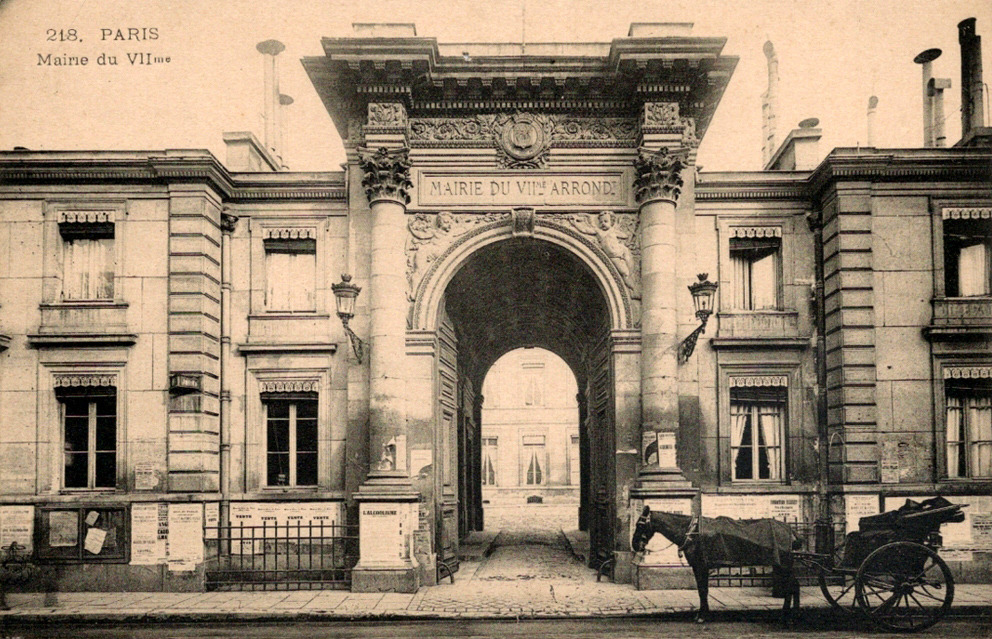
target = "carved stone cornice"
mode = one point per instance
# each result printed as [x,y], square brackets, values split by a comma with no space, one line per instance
[387,174]
[658,175]
[663,115]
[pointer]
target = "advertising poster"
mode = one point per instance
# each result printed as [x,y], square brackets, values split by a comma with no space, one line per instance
[858,506]
[17,524]
[148,547]
[185,536]
[63,529]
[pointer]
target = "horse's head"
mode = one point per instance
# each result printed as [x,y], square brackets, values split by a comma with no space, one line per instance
[643,531]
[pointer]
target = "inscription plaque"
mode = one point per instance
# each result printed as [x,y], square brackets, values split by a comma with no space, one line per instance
[606,188]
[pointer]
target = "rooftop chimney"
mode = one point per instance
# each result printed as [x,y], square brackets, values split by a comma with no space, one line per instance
[935,91]
[972,103]
[769,102]
[926,59]
[284,101]
[271,48]
[799,150]
[872,105]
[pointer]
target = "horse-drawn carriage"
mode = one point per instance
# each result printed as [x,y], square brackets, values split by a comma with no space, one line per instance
[888,571]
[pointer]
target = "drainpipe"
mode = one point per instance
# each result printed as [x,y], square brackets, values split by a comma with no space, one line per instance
[824,527]
[228,224]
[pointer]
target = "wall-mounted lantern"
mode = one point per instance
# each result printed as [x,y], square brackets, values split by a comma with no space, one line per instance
[344,296]
[702,298]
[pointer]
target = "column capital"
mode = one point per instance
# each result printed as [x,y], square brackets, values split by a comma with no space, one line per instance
[387,174]
[659,175]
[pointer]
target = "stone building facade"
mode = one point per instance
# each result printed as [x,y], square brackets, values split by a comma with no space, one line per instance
[172,362]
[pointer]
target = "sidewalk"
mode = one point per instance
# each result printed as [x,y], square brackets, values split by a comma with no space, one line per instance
[513,575]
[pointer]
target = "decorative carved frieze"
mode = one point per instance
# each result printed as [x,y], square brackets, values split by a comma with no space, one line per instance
[755,231]
[522,140]
[967,213]
[661,115]
[758,380]
[968,372]
[290,233]
[658,175]
[289,386]
[84,380]
[387,174]
[431,235]
[86,217]
[689,139]
[387,115]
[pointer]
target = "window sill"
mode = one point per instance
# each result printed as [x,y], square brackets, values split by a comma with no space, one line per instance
[256,348]
[66,338]
[267,315]
[84,304]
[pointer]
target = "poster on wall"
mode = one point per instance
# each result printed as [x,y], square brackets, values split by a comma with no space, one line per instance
[148,535]
[185,536]
[17,525]
[889,463]
[63,528]
[858,506]
[211,519]
[783,507]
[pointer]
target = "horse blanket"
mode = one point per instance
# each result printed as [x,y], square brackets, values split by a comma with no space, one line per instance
[745,542]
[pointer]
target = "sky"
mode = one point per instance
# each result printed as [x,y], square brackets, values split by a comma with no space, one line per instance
[833,55]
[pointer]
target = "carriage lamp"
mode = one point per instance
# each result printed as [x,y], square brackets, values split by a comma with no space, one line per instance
[344,297]
[702,299]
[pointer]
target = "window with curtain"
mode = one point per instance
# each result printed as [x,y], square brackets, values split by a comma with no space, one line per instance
[490,461]
[88,261]
[89,436]
[291,439]
[755,265]
[757,429]
[534,460]
[290,274]
[969,428]
[968,257]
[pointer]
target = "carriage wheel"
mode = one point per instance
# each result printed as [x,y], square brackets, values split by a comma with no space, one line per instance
[904,586]
[838,589]
[837,585]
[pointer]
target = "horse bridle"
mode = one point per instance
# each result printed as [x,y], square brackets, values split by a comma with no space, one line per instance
[645,518]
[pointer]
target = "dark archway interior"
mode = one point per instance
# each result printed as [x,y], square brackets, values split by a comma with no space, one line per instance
[525,292]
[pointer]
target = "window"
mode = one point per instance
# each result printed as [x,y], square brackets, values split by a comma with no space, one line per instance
[755,266]
[757,421]
[969,427]
[532,383]
[291,440]
[88,261]
[490,461]
[968,257]
[290,274]
[91,534]
[534,458]
[89,427]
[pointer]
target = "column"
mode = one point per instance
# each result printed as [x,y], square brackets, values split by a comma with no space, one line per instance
[657,185]
[388,512]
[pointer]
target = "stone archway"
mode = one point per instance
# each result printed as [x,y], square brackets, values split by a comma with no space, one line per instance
[494,290]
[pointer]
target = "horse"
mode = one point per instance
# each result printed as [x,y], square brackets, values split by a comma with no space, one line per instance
[684,532]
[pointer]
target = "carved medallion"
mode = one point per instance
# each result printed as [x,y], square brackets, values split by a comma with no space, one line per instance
[525,139]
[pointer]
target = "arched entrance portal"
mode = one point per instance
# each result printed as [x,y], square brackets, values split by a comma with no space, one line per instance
[500,293]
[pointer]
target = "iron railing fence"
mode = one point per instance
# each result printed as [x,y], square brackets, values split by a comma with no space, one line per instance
[312,556]
[819,537]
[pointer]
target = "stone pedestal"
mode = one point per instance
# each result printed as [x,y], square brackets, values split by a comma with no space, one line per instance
[386,522]
[660,567]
